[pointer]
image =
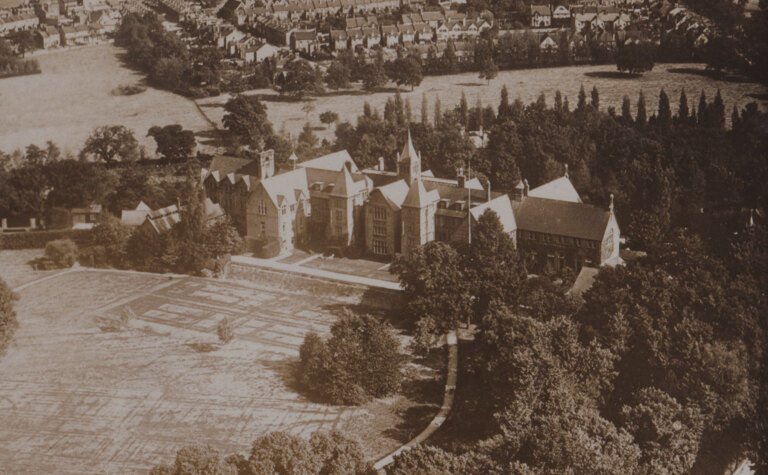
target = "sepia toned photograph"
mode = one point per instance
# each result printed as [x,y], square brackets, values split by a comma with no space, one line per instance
[384,237]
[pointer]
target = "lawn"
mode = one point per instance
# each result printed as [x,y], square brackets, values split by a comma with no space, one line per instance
[526,84]
[73,95]
[112,372]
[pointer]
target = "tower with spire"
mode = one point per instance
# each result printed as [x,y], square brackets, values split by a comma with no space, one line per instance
[409,162]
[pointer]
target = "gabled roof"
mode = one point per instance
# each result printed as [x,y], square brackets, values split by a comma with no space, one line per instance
[418,196]
[394,193]
[502,206]
[560,189]
[561,218]
[333,162]
[281,188]
[542,10]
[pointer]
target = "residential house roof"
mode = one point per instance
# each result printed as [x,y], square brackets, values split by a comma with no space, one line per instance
[541,10]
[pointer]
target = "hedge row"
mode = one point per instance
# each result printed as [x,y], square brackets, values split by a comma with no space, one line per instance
[38,239]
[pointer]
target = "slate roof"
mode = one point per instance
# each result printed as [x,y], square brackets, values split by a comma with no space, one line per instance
[333,162]
[542,10]
[163,219]
[561,218]
[282,188]
[559,189]
[418,196]
[395,193]
[502,206]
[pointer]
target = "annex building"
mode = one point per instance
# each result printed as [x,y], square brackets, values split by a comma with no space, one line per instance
[330,201]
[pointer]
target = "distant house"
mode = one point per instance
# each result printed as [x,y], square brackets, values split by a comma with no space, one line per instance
[548,45]
[85,218]
[48,37]
[561,15]
[76,35]
[339,40]
[162,220]
[541,16]
[304,41]
[389,35]
[258,53]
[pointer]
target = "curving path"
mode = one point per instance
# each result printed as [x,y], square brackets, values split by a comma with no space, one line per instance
[450,390]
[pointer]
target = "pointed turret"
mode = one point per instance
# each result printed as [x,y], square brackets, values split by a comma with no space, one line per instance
[409,162]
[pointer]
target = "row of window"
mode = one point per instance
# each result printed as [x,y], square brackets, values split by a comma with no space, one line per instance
[555,239]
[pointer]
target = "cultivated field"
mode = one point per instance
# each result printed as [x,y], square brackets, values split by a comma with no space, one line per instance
[113,371]
[525,84]
[73,95]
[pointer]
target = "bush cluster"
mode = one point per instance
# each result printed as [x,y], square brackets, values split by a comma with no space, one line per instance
[360,361]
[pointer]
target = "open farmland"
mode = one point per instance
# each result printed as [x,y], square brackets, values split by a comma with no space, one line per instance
[526,84]
[113,371]
[73,95]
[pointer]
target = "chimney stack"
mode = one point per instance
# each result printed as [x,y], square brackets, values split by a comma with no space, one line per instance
[566,171]
[526,188]
[610,206]
[381,164]
[461,180]
[489,190]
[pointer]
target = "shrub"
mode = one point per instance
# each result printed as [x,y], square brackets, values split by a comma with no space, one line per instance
[8,322]
[39,239]
[225,331]
[110,234]
[361,360]
[62,252]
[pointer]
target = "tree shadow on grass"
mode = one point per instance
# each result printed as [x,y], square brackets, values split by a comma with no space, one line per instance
[212,137]
[286,370]
[612,75]
[413,420]
[711,74]
[470,84]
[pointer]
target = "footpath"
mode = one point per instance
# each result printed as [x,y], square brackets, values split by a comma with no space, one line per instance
[320,273]
[451,340]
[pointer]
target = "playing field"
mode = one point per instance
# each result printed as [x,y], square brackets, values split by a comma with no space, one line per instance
[73,95]
[113,371]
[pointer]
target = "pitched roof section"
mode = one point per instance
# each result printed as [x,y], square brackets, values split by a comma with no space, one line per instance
[332,162]
[560,189]
[502,206]
[395,193]
[561,218]
[281,188]
[418,196]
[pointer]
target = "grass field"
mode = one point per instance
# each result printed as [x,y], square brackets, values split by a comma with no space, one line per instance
[112,372]
[525,84]
[73,95]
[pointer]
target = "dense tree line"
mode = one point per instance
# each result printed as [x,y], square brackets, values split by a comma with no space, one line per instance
[165,58]
[275,453]
[661,368]
[662,167]
[741,42]
[11,64]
